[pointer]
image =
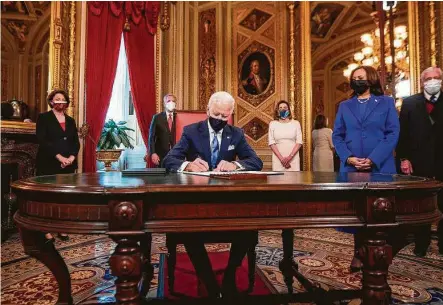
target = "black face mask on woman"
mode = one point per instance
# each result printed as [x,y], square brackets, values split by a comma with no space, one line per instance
[217,124]
[359,86]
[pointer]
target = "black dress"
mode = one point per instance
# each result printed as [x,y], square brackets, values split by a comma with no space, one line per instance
[54,140]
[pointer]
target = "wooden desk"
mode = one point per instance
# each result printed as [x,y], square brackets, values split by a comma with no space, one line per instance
[129,209]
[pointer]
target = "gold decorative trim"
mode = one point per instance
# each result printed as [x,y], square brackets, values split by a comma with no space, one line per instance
[305,94]
[17,127]
[439,31]
[62,49]
[432,36]
[158,60]
[414,46]
[71,68]
[291,8]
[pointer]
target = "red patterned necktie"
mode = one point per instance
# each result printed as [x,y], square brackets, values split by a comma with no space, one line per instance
[431,104]
[170,121]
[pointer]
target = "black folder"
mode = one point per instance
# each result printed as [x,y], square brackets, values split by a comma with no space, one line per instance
[144,172]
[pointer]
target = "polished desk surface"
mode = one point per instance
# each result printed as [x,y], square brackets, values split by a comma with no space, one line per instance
[88,203]
[130,209]
[115,182]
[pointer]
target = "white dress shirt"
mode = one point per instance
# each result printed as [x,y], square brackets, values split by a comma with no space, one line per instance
[428,96]
[212,134]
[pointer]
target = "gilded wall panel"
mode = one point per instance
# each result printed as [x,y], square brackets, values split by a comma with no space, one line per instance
[62,51]
[257,68]
[439,32]
[318,87]
[207,38]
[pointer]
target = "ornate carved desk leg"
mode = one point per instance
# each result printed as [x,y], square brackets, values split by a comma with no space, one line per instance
[35,245]
[376,255]
[147,269]
[376,258]
[126,264]
[287,263]
[125,228]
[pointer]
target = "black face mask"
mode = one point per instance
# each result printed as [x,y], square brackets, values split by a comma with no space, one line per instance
[359,86]
[217,124]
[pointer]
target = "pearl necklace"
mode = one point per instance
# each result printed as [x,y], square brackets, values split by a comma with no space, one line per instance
[363,101]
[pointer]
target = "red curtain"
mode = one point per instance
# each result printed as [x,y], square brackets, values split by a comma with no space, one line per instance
[140,47]
[106,21]
[103,46]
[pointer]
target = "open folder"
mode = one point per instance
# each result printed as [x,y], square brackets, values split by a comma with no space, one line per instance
[235,175]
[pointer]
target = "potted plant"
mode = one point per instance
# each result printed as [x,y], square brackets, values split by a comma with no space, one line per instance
[112,137]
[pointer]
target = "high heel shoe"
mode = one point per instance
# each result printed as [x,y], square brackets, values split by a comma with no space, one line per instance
[63,237]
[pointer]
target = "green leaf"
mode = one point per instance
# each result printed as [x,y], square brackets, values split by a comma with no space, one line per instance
[117,139]
[121,123]
[125,141]
[126,128]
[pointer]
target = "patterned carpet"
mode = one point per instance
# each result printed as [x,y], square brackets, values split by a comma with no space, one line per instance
[323,256]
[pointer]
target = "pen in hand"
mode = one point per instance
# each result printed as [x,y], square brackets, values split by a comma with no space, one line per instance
[198,165]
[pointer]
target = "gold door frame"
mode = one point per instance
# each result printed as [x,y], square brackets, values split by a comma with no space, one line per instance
[62,50]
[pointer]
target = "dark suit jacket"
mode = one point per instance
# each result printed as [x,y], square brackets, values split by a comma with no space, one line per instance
[372,136]
[161,139]
[194,143]
[421,142]
[54,140]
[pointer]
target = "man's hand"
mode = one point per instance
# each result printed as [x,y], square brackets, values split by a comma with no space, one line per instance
[406,167]
[198,165]
[225,166]
[155,159]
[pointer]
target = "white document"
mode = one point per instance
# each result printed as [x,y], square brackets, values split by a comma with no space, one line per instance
[207,174]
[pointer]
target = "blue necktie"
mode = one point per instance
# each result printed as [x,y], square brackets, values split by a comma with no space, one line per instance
[214,151]
[433,99]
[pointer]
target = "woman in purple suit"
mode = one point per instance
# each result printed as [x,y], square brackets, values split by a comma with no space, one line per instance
[366,132]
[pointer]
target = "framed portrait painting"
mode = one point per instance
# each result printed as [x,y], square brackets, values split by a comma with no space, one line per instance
[256,73]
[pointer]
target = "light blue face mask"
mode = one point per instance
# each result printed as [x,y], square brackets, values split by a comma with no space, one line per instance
[284,114]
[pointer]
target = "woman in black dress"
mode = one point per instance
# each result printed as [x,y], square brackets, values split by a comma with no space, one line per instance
[58,140]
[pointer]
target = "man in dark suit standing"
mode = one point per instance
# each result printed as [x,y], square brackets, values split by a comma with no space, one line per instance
[162,131]
[214,145]
[420,146]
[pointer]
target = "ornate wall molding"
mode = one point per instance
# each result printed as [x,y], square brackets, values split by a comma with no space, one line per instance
[414,46]
[292,50]
[62,50]
[207,57]
[24,154]
[304,84]
[158,70]
[439,32]
[71,67]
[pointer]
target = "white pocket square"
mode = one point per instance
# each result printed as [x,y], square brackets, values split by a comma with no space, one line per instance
[231,147]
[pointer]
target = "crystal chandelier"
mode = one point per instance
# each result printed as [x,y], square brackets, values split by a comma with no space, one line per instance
[369,54]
